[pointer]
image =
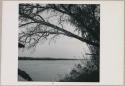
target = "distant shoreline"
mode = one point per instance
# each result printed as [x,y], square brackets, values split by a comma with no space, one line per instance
[31,58]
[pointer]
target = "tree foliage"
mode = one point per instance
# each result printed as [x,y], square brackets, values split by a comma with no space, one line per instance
[47,21]
[89,72]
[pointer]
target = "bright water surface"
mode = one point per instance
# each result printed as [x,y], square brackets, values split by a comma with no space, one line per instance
[47,70]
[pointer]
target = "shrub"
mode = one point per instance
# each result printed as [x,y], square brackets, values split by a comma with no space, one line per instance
[86,73]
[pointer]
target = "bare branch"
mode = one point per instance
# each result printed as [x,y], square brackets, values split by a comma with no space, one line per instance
[63,30]
[26,24]
[80,16]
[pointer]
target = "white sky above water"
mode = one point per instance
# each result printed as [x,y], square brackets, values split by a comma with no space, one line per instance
[63,47]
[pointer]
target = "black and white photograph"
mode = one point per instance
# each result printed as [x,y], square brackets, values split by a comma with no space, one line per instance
[59,42]
[62,43]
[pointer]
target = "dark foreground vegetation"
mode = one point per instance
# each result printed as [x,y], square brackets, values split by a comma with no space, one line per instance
[87,73]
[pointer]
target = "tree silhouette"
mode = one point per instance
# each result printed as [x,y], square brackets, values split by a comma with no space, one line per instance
[48,21]
[85,18]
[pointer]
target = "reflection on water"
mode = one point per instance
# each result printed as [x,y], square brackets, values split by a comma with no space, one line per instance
[46,70]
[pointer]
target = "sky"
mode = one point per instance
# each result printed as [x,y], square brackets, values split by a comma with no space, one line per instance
[63,47]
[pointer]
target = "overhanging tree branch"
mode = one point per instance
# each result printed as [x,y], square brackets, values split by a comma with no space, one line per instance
[26,24]
[67,33]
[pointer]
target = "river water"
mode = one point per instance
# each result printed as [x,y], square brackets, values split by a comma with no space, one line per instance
[47,70]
